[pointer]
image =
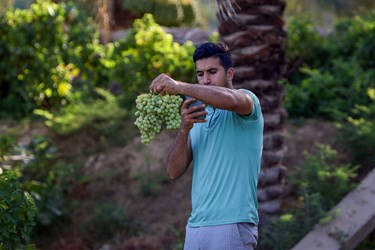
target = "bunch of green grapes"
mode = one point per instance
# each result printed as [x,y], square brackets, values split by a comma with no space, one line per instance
[153,110]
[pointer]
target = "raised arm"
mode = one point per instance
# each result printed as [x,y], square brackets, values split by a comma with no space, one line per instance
[219,97]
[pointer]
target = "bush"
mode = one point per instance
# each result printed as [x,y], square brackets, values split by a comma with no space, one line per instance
[26,77]
[321,184]
[79,114]
[349,35]
[42,176]
[320,174]
[146,52]
[365,51]
[17,212]
[104,221]
[40,69]
[304,45]
[45,72]
[337,69]
[359,134]
[329,94]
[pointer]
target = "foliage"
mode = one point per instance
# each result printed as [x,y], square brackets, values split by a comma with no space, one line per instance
[146,52]
[350,36]
[329,94]
[319,174]
[165,12]
[25,63]
[17,212]
[47,179]
[365,52]
[49,73]
[302,34]
[39,69]
[359,133]
[6,145]
[105,220]
[316,197]
[79,114]
[336,80]
[337,69]
[44,178]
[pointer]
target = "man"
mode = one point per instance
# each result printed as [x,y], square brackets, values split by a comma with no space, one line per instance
[225,149]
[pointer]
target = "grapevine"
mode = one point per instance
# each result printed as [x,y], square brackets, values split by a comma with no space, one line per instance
[153,110]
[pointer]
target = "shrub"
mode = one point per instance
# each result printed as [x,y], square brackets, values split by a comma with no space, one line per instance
[146,52]
[321,184]
[104,221]
[365,51]
[359,133]
[40,69]
[17,212]
[349,35]
[337,69]
[304,45]
[329,94]
[42,176]
[44,72]
[79,114]
[319,174]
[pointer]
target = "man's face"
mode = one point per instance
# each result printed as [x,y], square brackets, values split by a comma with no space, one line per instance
[211,72]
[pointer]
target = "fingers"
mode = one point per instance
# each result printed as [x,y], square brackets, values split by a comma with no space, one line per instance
[158,85]
[192,115]
[193,109]
[186,103]
[155,84]
[189,116]
[199,117]
[160,89]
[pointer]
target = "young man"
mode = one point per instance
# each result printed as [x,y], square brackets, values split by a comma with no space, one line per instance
[225,149]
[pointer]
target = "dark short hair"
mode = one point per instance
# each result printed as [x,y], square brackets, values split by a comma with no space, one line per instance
[218,50]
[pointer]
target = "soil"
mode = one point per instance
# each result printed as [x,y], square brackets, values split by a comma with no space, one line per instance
[133,177]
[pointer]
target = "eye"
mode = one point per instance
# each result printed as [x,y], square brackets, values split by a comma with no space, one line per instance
[213,71]
[199,74]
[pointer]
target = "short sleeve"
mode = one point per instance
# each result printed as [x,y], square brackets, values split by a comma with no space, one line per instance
[256,110]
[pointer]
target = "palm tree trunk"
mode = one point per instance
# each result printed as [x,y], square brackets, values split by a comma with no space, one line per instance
[257,40]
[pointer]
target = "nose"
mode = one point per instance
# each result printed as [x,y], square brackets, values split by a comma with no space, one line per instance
[206,79]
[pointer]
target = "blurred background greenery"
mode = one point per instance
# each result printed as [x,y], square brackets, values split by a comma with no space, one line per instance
[323,13]
[57,70]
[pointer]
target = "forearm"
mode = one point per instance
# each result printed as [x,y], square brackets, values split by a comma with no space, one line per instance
[180,156]
[218,97]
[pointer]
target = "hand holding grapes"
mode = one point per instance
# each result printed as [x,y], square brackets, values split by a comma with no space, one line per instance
[164,84]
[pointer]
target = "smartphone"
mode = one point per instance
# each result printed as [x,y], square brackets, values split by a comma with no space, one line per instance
[196,103]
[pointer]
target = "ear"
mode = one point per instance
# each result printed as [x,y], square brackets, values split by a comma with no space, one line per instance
[230,74]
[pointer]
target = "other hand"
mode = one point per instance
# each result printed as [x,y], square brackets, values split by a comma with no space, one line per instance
[189,116]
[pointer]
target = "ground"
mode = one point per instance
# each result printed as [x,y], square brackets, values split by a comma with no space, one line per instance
[134,178]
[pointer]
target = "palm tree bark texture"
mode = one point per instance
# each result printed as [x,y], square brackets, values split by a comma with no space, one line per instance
[256,37]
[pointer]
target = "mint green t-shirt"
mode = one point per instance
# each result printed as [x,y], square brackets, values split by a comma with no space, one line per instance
[227,153]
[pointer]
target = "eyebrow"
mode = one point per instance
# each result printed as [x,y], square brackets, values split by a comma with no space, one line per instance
[209,69]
